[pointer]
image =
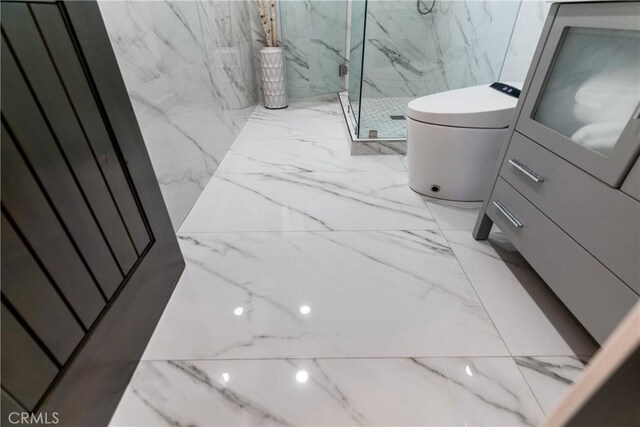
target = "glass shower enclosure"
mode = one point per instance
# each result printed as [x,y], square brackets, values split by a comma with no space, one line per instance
[403,49]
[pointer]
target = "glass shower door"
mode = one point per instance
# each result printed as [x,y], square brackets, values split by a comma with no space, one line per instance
[412,49]
[356,55]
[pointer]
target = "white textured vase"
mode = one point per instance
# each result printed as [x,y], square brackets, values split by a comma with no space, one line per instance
[274,83]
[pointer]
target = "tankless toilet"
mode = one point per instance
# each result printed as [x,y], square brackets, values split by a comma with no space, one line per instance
[454,138]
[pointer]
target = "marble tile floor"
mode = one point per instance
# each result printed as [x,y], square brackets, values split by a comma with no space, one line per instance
[320,290]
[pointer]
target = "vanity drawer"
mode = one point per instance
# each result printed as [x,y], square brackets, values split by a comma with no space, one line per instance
[605,221]
[597,298]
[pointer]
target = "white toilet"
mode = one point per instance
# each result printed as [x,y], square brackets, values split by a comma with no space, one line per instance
[454,138]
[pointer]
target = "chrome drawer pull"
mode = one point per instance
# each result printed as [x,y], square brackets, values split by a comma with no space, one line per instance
[526,170]
[511,217]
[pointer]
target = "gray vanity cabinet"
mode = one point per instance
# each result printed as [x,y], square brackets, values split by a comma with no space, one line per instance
[566,189]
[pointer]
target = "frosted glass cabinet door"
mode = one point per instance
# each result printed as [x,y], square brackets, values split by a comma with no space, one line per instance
[583,100]
[592,90]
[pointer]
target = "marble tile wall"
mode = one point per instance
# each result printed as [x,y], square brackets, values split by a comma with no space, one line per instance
[524,40]
[189,67]
[461,43]
[313,33]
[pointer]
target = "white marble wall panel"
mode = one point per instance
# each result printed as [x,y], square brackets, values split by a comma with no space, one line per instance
[187,136]
[189,67]
[524,39]
[313,33]
[461,43]
[227,33]
[152,39]
[256,35]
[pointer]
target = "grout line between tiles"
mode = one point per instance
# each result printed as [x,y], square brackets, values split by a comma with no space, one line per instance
[319,172]
[495,327]
[303,172]
[529,385]
[245,359]
[180,233]
[478,296]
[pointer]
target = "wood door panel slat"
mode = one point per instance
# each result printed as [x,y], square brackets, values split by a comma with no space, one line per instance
[73,76]
[28,289]
[27,371]
[32,55]
[33,215]
[38,144]
[8,405]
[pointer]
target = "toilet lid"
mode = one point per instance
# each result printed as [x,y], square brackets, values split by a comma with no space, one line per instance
[471,107]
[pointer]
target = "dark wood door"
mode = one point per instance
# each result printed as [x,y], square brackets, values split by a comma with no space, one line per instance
[89,256]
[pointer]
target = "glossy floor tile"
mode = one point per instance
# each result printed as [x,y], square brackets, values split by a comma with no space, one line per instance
[320,290]
[299,120]
[452,215]
[303,155]
[550,378]
[529,317]
[322,294]
[308,201]
[329,392]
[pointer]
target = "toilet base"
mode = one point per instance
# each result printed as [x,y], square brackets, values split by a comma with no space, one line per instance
[431,196]
[452,163]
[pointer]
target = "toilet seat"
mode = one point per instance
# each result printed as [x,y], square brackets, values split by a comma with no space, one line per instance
[472,107]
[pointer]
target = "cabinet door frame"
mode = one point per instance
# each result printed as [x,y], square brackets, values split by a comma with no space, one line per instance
[611,168]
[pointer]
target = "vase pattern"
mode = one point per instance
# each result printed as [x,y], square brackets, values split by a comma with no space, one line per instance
[274,84]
